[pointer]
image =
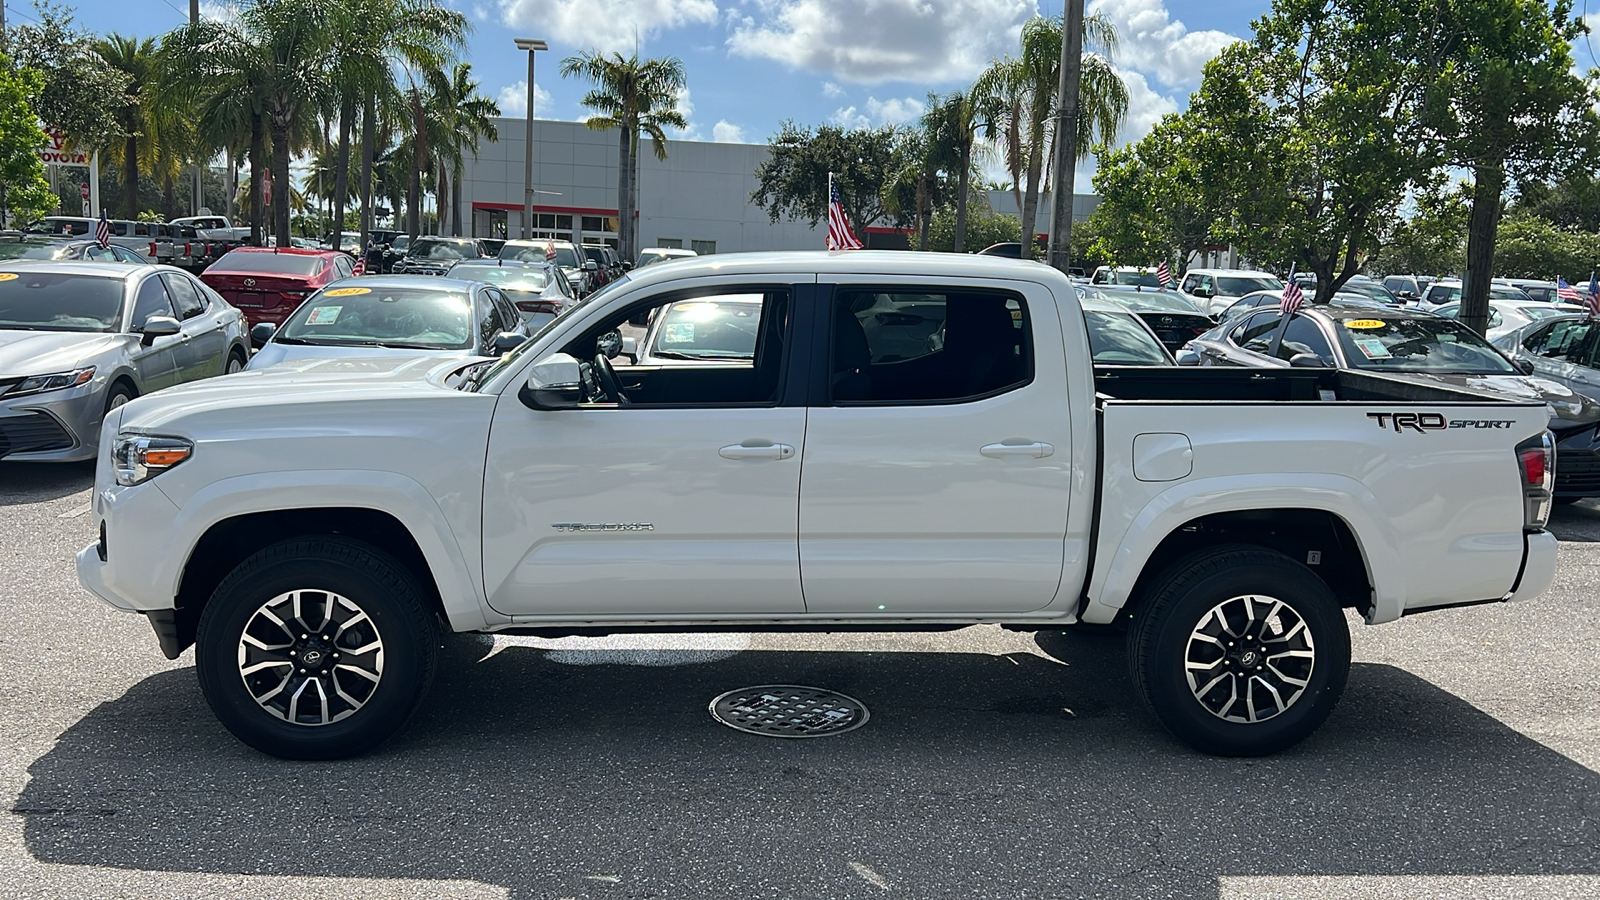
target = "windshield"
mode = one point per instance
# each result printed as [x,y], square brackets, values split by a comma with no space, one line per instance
[1433,344]
[511,278]
[433,248]
[416,318]
[1116,339]
[566,257]
[1148,279]
[1150,300]
[32,250]
[724,328]
[47,301]
[1371,290]
[1496,292]
[1239,285]
[269,263]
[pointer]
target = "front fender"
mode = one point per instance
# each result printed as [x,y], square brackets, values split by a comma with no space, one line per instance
[1125,551]
[460,581]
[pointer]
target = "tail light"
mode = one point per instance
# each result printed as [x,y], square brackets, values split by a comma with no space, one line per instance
[294,295]
[1536,457]
[152,249]
[186,250]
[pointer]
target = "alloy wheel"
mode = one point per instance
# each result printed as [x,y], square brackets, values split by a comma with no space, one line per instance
[310,657]
[1249,658]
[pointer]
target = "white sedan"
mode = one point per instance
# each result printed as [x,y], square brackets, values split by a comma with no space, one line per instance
[1506,316]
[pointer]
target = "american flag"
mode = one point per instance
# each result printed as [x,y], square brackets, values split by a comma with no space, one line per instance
[550,250]
[1594,293]
[1164,275]
[1566,291]
[1292,296]
[102,231]
[840,237]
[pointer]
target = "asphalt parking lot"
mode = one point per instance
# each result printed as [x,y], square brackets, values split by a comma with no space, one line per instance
[1464,761]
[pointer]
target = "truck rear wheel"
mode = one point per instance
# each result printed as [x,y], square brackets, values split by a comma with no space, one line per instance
[317,648]
[1239,651]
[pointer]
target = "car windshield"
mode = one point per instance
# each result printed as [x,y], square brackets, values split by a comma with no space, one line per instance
[723,328]
[1432,344]
[434,248]
[514,357]
[1496,292]
[269,263]
[50,301]
[1117,339]
[1371,290]
[32,250]
[415,318]
[566,257]
[1147,279]
[1239,285]
[1166,300]
[512,278]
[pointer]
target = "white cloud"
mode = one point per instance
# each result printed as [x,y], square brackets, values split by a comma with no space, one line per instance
[480,12]
[831,90]
[894,111]
[1151,41]
[513,100]
[220,11]
[604,25]
[1145,108]
[873,41]
[725,132]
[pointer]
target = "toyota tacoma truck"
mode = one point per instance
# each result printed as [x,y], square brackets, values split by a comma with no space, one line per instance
[864,440]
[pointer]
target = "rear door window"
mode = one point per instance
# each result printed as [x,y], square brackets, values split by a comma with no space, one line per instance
[914,345]
[185,298]
[152,301]
[1304,335]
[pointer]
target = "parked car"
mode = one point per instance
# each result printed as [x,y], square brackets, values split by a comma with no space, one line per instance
[1409,288]
[133,236]
[1214,290]
[209,237]
[1372,290]
[1126,275]
[607,266]
[491,246]
[434,255]
[539,290]
[1421,347]
[45,247]
[78,339]
[1543,291]
[660,254]
[1118,337]
[1442,292]
[1175,320]
[269,284]
[395,315]
[1274,298]
[580,270]
[1506,316]
[1230,518]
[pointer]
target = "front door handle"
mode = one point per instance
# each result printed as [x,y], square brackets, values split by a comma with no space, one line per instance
[1037,450]
[756,450]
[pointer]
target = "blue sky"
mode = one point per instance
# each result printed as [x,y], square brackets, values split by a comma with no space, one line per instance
[753,63]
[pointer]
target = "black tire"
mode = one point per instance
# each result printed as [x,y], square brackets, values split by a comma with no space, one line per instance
[120,393]
[236,362]
[1171,628]
[370,580]
[1566,501]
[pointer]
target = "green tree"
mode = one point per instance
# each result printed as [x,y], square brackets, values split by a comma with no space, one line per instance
[1571,201]
[135,59]
[632,96]
[793,180]
[81,93]
[24,191]
[953,125]
[983,227]
[915,186]
[1528,246]
[1432,241]
[469,120]
[1515,112]
[1157,200]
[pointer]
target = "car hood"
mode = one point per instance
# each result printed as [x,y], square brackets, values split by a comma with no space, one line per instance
[299,384]
[275,354]
[1568,408]
[43,352]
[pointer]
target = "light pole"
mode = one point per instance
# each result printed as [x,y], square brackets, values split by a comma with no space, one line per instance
[531,45]
[1066,157]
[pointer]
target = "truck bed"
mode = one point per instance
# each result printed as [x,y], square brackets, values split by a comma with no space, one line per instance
[1236,385]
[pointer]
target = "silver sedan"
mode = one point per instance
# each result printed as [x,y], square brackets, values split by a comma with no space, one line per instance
[78,339]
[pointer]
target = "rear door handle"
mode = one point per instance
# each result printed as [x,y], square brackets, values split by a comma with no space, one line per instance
[1037,450]
[756,450]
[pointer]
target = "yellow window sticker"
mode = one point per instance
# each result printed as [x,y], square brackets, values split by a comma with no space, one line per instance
[8,276]
[347,292]
[1365,324]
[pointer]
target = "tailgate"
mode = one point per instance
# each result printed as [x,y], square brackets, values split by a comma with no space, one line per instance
[1432,491]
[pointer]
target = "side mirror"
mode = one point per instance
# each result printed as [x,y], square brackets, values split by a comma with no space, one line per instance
[555,382]
[261,332]
[1306,361]
[1524,366]
[1187,357]
[158,326]
[630,349]
[507,341]
[609,344]
[590,265]
[627,266]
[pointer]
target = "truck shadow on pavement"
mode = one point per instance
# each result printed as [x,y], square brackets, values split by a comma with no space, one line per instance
[40,482]
[977,776]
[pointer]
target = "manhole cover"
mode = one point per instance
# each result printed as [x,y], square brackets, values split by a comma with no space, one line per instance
[788,710]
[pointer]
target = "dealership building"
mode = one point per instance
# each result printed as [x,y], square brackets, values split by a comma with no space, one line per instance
[697,198]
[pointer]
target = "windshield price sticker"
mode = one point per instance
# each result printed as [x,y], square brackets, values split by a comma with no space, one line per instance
[8,276]
[326,315]
[345,292]
[1372,348]
[679,333]
[1364,324]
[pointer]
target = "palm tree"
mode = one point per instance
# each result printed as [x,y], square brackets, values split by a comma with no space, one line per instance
[632,96]
[135,58]
[953,125]
[468,119]
[1027,86]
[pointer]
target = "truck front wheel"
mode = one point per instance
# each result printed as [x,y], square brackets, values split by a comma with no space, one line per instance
[1239,651]
[318,648]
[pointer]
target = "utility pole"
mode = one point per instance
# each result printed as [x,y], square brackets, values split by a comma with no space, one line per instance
[197,184]
[1066,155]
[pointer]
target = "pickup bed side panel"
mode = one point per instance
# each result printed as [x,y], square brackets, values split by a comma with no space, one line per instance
[1437,513]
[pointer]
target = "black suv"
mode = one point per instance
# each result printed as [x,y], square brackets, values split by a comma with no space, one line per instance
[609,263]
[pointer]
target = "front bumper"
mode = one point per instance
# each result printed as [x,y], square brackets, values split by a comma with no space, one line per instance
[57,426]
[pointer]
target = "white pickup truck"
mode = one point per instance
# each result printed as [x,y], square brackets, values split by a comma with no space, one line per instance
[865,440]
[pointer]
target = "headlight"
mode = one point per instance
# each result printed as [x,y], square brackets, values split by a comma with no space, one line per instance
[38,384]
[139,458]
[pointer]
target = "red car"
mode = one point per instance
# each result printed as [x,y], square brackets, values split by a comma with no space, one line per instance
[267,284]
